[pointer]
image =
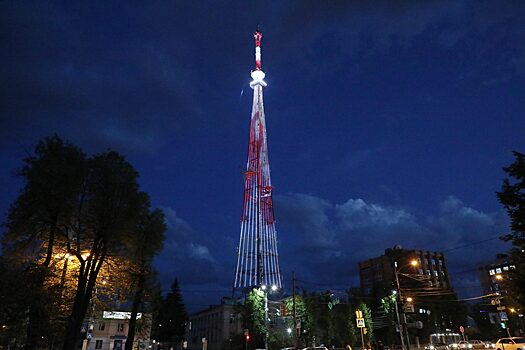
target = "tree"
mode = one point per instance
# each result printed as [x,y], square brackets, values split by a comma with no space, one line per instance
[173,316]
[144,245]
[512,197]
[253,317]
[75,219]
[53,176]
[304,319]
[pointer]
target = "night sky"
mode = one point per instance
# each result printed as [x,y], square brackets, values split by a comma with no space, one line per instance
[388,122]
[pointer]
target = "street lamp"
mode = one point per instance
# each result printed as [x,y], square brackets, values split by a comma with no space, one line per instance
[413,263]
[264,288]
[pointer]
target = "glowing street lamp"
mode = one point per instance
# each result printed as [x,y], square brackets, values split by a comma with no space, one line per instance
[499,277]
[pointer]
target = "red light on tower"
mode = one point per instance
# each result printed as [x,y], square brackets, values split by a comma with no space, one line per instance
[247,337]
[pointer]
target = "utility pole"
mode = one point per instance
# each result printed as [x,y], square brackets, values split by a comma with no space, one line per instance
[398,297]
[296,345]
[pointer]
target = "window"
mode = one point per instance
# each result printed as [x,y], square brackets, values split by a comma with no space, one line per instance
[98,344]
[428,273]
[120,327]
[498,270]
[492,272]
[436,273]
[420,271]
[101,327]
[433,261]
[505,268]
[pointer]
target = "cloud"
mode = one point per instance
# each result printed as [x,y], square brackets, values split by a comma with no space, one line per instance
[184,252]
[341,235]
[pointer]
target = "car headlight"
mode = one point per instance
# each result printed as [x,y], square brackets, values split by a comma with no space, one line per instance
[469,346]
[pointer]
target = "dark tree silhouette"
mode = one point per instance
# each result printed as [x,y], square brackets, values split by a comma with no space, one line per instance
[512,196]
[172,316]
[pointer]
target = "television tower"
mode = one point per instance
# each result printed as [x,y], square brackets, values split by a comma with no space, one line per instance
[257,257]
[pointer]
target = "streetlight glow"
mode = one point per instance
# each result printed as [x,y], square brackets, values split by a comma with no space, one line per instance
[414,263]
[499,277]
[289,330]
[410,299]
[263,287]
[274,287]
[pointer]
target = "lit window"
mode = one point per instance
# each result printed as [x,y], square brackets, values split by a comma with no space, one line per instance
[436,273]
[505,268]
[513,267]
[492,272]
[498,270]
[428,273]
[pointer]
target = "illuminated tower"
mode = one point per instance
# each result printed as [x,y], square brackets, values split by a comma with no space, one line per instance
[257,258]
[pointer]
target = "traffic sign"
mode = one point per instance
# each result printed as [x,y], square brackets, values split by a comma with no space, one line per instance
[360,322]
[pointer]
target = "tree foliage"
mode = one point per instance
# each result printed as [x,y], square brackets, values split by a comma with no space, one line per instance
[253,316]
[75,229]
[172,316]
[512,197]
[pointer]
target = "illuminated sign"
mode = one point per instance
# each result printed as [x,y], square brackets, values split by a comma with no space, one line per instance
[119,315]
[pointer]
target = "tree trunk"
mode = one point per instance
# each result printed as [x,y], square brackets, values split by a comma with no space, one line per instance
[86,283]
[137,300]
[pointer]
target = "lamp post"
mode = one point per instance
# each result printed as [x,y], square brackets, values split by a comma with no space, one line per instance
[265,291]
[400,300]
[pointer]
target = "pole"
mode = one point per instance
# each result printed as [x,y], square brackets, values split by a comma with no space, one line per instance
[401,336]
[266,319]
[362,338]
[296,345]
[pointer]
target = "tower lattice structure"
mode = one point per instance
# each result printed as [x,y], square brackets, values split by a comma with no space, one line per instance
[257,257]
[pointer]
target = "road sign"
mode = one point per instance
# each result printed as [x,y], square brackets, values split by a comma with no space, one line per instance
[461,329]
[503,316]
[360,322]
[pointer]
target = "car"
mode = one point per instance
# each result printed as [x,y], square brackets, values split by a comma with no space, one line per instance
[490,345]
[477,344]
[512,343]
[437,346]
[462,344]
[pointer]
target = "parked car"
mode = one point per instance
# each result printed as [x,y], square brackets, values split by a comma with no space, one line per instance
[512,343]
[462,344]
[437,346]
[477,344]
[490,345]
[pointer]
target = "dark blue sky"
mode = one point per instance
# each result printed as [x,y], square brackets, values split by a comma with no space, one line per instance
[387,123]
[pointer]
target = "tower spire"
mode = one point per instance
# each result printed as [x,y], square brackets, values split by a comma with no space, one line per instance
[257,257]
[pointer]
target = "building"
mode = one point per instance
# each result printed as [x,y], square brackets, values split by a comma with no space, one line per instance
[109,332]
[493,274]
[419,282]
[377,275]
[215,325]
